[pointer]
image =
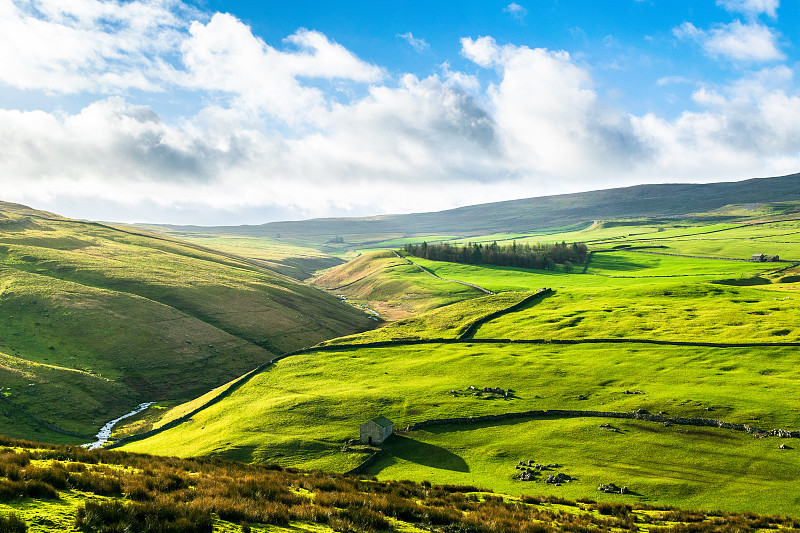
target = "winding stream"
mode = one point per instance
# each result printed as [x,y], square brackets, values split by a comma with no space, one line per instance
[105,432]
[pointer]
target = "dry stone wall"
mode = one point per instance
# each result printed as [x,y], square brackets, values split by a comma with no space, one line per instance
[641,414]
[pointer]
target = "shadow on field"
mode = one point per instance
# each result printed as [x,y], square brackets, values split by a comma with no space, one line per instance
[615,262]
[425,454]
[242,454]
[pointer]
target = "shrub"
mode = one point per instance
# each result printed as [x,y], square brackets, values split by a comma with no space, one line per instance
[11,490]
[75,467]
[40,490]
[97,483]
[55,477]
[12,523]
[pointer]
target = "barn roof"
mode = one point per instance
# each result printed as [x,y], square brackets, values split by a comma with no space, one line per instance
[382,421]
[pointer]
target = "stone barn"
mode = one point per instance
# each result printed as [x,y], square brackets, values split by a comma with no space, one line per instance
[377,430]
[759,258]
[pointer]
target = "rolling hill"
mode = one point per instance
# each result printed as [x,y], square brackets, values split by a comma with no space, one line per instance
[521,216]
[96,319]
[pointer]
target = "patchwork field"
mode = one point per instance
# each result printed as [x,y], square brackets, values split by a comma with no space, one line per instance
[304,410]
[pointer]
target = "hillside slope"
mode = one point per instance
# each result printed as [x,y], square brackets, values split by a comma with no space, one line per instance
[97,319]
[525,215]
[391,285]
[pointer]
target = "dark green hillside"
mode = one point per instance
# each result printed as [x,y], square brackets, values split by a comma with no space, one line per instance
[97,319]
[519,216]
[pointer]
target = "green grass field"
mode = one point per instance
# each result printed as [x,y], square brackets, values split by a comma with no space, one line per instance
[703,312]
[699,468]
[302,411]
[447,322]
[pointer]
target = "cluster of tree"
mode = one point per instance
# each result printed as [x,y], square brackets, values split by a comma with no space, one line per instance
[538,256]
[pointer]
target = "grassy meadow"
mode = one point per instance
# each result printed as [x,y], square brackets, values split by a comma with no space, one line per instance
[685,466]
[301,411]
[446,322]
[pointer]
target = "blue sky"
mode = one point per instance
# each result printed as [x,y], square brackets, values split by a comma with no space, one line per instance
[213,112]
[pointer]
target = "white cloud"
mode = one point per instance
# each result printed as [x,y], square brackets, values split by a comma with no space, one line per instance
[516,11]
[420,45]
[88,45]
[751,7]
[750,42]
[549,117]
[407,140]
[225,56]
[482,51]
[749,128]
[459,79]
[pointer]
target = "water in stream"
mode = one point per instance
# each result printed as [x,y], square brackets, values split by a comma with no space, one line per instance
[105,432]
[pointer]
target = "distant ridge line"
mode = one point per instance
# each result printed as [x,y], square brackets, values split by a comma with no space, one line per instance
[529,214]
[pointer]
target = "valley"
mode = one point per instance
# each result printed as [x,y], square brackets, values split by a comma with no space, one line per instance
[666,362]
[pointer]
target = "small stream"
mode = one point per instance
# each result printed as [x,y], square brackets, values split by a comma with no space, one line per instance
[105,432]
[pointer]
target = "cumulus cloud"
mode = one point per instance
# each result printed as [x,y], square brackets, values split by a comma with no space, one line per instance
[482,51]
[549,116]
[420,45]
[224,55]
[751,7]
[419,134]
[751,42]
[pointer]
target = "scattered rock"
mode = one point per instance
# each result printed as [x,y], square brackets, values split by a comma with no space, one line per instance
[558,479]
[612,488]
